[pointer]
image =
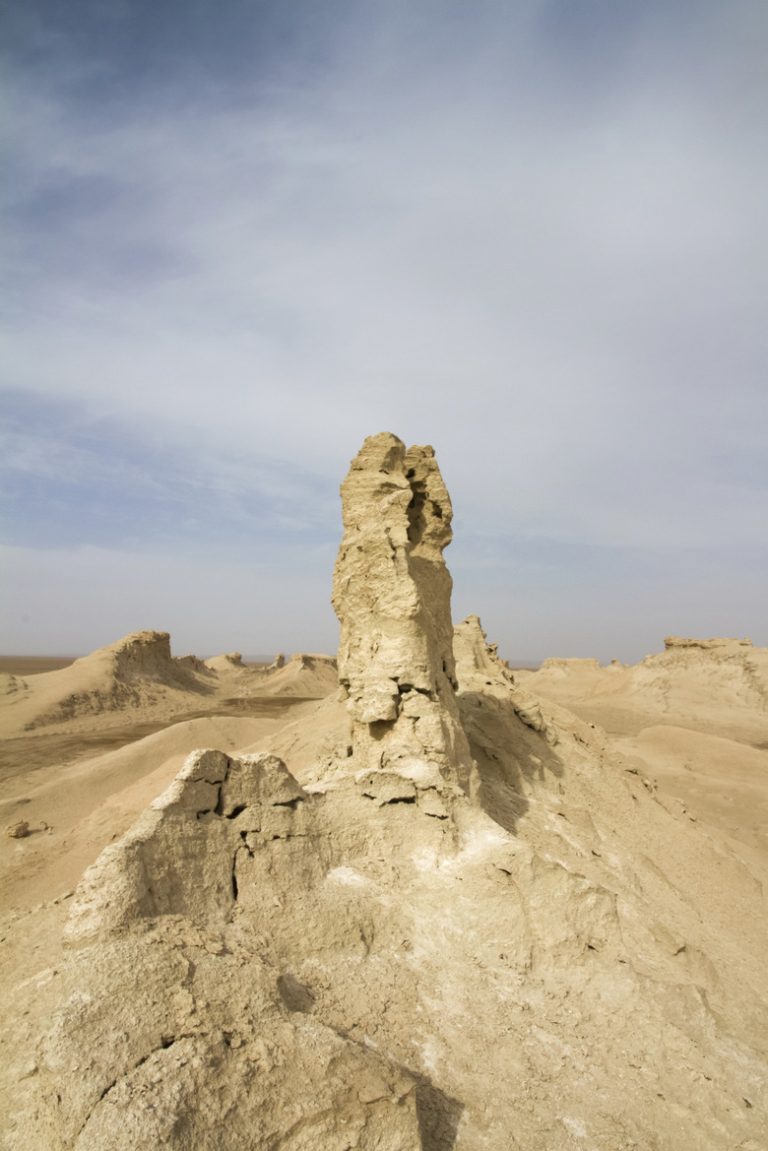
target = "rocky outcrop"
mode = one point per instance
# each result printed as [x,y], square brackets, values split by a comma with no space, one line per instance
[392,593]
[303,676]
[481,672]
[477,661]
[216,807]
[675,642]
[144,654]
[136,671]
[185,1026]
[229,661]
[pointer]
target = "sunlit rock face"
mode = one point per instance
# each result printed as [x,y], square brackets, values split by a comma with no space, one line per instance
[392,594]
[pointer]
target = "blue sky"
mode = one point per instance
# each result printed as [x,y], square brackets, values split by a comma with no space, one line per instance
[241,237]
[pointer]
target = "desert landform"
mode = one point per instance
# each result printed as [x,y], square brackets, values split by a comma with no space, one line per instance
[405,898]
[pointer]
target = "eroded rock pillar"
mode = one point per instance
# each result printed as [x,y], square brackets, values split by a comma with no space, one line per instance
[392,594]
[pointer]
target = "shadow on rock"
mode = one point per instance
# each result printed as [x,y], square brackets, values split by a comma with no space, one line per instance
[511,756]
[439,1116]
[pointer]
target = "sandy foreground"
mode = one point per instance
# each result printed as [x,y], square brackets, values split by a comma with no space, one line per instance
[87,748]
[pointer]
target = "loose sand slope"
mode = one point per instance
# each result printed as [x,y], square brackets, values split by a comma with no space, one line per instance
[694,718]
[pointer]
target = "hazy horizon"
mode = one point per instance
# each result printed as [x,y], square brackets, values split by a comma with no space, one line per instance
[241,238]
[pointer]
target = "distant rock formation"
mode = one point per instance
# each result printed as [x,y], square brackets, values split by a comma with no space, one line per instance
[707,681]
[135,671]
[392,593]
[229,661]
[145,654]
[303,676]
[192,661]
[481,671]
[673,642]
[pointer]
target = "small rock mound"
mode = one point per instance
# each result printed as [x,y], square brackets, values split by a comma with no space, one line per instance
[303,676]
[229,661]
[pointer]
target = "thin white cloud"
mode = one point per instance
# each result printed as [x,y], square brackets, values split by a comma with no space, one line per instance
[551,273]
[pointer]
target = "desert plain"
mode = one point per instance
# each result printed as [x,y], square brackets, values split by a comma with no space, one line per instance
[403,897]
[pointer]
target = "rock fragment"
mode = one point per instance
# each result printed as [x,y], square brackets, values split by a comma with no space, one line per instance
[18,830]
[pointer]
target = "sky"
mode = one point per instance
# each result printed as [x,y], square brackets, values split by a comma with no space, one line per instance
[239,237]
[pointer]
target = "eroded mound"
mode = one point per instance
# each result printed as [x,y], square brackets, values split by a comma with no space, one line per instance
[704,681]
[304,676]
[137,672]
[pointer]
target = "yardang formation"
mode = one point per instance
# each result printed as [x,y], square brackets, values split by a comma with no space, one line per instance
[438,912]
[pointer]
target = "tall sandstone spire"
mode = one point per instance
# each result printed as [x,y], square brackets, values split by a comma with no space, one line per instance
[392,594]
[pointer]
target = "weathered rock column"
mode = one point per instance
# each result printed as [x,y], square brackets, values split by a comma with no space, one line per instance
[392,594]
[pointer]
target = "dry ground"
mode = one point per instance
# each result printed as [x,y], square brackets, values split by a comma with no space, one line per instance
[80,782]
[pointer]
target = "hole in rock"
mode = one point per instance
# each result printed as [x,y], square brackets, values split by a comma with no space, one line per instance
[416,520]
[380,727]
[294,994]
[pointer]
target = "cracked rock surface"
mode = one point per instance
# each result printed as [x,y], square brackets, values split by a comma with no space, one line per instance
[184,1025]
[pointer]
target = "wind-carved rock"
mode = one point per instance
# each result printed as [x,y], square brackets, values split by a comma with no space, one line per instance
[480,671]
[392,594]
